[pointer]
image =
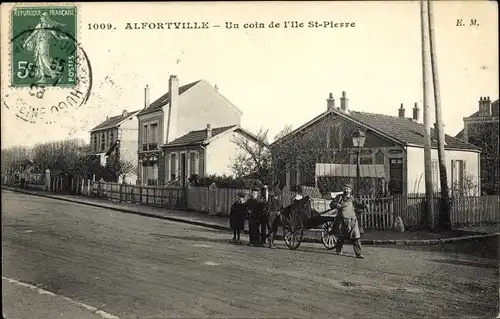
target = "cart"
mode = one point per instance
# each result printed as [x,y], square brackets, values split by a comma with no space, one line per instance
[308,213]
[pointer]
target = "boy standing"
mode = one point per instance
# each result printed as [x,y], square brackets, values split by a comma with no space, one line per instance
[237,217]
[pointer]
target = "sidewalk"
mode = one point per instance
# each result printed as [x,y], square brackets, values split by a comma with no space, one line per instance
[222,223]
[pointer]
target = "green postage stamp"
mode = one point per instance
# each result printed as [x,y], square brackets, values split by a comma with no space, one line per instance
[44,47]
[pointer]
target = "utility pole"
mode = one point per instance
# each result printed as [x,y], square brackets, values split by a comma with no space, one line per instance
[444,213]
[426,110]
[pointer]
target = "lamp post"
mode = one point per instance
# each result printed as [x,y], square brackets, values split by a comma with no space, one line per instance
[358,141]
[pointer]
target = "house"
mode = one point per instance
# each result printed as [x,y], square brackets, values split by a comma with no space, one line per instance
[204,152]
[481,129]
[393,152]
[181,110]
[116,138]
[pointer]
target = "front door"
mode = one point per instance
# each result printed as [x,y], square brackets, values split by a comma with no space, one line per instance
[396,175]
[183,169]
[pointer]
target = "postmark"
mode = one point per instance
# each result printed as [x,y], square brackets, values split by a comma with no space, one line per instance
[50,71]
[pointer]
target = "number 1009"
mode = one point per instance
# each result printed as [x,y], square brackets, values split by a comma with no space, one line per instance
[100,26]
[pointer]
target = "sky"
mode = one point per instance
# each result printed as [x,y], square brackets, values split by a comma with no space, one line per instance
[276,76]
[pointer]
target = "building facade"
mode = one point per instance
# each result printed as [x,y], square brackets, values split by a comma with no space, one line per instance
[481,129]
[391,159]
[116,139]
[179,111]
[204,152]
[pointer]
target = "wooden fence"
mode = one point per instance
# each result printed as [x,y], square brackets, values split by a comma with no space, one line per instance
[381,212]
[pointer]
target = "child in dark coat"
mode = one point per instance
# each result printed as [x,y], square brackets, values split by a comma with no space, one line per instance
[237,217]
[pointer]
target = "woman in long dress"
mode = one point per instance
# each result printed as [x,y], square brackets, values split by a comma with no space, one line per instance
[39,44]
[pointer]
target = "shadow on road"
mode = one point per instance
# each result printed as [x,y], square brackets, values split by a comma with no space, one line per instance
[479,247]
[464,263]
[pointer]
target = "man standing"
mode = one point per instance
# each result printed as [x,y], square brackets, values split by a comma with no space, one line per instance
[254,215]
[263,219]
[273,216]
[346,220]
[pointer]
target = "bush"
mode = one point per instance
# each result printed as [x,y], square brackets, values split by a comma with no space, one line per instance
[224,181]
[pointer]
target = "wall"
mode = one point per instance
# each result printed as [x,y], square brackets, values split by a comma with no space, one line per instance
[129,145]
[198,168]
[221,153]
[156,117]
[331,139]
[202,105]
[110,136]
[415,167]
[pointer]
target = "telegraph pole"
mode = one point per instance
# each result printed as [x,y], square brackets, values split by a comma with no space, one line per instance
[426,110]
[444,214]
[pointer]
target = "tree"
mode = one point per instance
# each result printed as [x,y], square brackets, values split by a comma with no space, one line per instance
[122,168]
[322,143]
[254,159]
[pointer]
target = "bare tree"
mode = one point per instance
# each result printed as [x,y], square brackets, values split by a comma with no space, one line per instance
[254,159]
[325,143]
[123,169]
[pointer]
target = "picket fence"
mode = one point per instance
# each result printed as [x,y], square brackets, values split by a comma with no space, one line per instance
[380,215]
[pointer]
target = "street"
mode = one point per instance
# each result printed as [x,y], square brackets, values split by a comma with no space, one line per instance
[138,267]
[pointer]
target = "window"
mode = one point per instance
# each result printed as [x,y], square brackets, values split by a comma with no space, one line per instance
[145,138]
[153,141]
[95,142]
[173,167]
[111,138]
[458,175]
[193,169]
[435,175]
[379,158]
[103,146]
[363,160]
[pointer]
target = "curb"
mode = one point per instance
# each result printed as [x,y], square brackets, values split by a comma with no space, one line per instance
[375,242]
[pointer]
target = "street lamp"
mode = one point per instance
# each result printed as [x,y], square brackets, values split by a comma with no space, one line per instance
[358,141]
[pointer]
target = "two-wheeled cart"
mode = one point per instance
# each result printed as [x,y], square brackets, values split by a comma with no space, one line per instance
[308,213]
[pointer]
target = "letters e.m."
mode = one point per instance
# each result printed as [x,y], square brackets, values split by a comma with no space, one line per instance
[473,23]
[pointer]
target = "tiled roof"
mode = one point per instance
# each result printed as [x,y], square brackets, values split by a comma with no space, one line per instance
[402,130]
[165,99]
[406,130]
[113,121]
[197,137]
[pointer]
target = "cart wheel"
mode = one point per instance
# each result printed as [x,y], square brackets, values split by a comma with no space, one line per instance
[293,230]
[327,237]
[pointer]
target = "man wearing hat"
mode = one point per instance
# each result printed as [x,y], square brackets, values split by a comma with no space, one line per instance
[273,216]
[254,208]
[346,220]
[237,217]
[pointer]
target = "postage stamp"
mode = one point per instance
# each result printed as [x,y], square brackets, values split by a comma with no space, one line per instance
[50,71]
[43,51]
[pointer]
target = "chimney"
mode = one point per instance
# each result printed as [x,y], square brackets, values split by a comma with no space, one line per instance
[216,87]
[172,109]
[344,106]
[401,111]
[146,97]
[416,112]
[124,113]
[330,102]
[485,106]
[209,131]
